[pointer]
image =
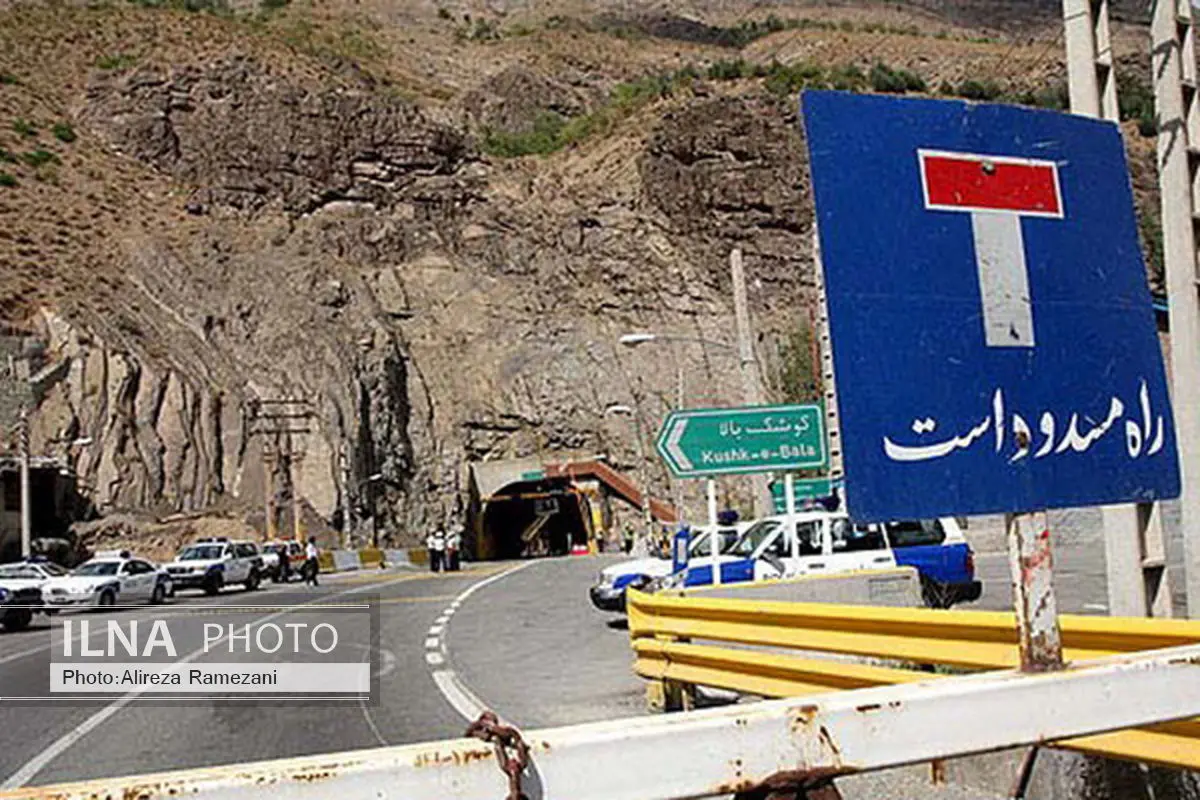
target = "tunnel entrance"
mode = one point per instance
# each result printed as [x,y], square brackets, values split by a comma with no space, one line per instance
[524,508]
[532,519]
[55,503]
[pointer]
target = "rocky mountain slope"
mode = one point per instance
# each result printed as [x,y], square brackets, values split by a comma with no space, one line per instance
[430,222]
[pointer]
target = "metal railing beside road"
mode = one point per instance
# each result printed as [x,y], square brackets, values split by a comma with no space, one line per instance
[795,745]
[666,634]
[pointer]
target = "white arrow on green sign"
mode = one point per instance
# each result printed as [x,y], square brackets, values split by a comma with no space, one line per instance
[720,441]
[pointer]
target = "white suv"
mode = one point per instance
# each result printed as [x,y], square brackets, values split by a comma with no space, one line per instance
[212,563]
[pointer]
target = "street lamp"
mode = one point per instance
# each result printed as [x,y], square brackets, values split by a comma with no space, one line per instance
[640,545]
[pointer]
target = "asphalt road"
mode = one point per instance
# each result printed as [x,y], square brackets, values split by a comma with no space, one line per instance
[51,743]
[521,638]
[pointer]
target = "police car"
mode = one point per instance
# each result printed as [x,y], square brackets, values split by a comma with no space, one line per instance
[608,594]
[108,578]
[213,562]
[823,542]
[21,590]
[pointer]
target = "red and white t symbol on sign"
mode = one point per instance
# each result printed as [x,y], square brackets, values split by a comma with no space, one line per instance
[996,191]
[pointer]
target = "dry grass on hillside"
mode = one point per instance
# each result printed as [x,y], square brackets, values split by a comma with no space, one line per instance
[68,202]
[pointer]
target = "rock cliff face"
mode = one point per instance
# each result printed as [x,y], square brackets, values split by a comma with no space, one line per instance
[342,248]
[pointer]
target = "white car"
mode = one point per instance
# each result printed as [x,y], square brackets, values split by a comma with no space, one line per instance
[211,563]
[608,594]
[36,570]
[21,587]
[109,578]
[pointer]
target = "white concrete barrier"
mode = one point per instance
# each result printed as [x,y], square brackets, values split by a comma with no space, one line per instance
[344,560]
[397,558]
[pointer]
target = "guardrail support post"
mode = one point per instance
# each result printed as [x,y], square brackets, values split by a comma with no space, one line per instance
[666,695]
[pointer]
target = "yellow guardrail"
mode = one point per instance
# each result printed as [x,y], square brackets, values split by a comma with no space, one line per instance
[664,631]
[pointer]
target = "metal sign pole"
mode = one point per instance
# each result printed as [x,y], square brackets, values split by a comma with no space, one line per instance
[789,501]
[26,505]
[714,549]
[1031,565]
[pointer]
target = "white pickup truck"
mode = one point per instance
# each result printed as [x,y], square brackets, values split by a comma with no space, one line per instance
[823,542]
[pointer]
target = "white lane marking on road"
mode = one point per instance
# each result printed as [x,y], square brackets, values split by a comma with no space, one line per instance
[33,766]
[387,663]
[458,695]
[454,690]
[1096,606]
[362,704]
[432,643]
[436,629]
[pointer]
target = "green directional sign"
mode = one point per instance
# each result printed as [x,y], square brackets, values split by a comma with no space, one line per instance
[802,489]
[720,441]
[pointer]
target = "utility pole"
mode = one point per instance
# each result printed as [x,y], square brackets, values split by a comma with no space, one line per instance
[1173,63]
[752,390]
[276,419]
[268,462]
[1133,537]
[26,504]
[833,429]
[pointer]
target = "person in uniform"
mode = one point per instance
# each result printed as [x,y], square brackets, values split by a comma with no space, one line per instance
[311,563]
[453,543]
[436,543]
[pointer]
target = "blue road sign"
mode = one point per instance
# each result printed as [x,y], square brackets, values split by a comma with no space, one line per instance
[993,338]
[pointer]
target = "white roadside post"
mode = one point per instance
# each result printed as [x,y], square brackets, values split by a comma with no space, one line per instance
[1134,556]
[1173,65]
[714,539]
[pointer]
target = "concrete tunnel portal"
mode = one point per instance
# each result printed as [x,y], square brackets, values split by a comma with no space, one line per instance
[535,518]
[523,508]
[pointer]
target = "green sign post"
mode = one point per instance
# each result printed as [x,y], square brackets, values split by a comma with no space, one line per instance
[721,441]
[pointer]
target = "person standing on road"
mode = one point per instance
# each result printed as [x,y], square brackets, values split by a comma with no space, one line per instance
[453,543]
[311,564]
[436,543]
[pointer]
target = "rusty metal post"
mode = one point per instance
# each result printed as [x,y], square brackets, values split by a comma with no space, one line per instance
[1031,565]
